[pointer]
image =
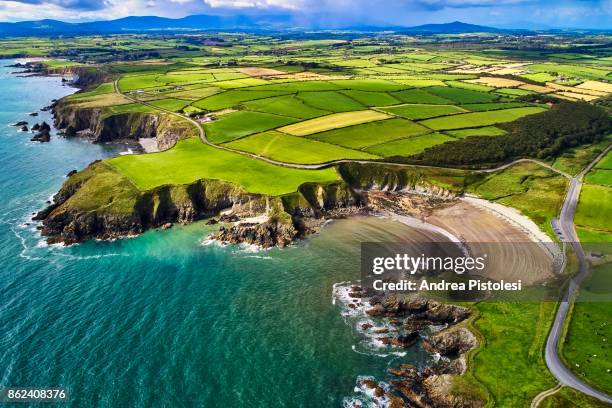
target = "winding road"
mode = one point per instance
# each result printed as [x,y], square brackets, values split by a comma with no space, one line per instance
[563,226]
[566,232]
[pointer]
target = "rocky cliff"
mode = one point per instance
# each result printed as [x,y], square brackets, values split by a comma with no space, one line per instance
[409,318]
[98,124]
[99,202]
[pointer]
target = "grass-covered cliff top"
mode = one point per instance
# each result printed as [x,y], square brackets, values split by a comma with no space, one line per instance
[191,160]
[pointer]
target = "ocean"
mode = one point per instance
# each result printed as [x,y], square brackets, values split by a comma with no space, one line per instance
[170,319]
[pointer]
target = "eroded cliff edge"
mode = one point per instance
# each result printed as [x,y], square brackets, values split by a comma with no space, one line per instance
[100,203]
[98,124]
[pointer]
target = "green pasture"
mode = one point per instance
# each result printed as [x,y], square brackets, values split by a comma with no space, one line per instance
[459,95]
[294,149]
[423,111]
[409,146]
[360,136]
[477,119]
[330,101]
[190,160]
[481,131]
[242,123]
[420,96]
[286,105]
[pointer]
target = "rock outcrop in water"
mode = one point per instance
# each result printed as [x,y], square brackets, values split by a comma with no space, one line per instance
[265,235]
[429,387]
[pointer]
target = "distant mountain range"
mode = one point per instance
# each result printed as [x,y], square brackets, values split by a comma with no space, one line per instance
[211,23]
[456,27]
[139,25]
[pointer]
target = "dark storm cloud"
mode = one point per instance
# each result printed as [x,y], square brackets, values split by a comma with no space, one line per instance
[334,13]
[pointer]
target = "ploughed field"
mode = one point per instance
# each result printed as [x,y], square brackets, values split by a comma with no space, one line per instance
[363,107]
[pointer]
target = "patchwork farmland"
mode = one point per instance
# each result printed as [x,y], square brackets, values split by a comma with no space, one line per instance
[317,105]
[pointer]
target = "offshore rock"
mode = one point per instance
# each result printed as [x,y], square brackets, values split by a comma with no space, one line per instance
[451,342]
[265,235]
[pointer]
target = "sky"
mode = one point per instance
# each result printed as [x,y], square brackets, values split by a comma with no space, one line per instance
[334,13]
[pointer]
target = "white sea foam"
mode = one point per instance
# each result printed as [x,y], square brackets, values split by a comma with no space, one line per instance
[210,241]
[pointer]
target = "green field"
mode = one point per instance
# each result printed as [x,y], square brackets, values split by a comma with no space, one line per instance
[480,107]
[409,146]
[470,86]
[514,91]
[599,176]
[233,98]
[287,105]
[595,207]
[458,95]
[174,105]
[586,347]
[423,111]
[381,131]
[481,131]
[588,235]
[242,123]
[191,160]
[574,160]
[510,365]
[420,96]
[570,70]
[606,162]
[533,190]
[330,101]
[540,77]
[367,98]
[477,119]
[295,149]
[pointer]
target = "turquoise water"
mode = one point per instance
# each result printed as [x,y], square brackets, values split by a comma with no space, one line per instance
[167,319]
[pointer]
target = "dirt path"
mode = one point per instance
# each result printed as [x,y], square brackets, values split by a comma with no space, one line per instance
[545,394]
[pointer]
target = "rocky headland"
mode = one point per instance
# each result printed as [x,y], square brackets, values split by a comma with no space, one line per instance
[100,203]
[402,321]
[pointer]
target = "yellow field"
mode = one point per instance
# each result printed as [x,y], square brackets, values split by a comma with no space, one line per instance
[100,101]
[334,121]
[575,89]
[509,69]
[258,71]
[496,82]
[535,88]
[596,86]
[575,95]
[561,96]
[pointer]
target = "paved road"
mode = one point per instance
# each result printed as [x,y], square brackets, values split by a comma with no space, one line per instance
[565,225]
[319,166]
[564,228]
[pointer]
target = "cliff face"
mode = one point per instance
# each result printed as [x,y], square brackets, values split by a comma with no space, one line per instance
[97,125]
[83,76]
[99,202]
[379,177]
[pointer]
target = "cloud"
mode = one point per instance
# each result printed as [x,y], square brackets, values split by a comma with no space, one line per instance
[262,4]
[330,13]
[70,4]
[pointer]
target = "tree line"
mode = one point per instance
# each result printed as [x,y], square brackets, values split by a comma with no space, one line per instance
[544,135]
